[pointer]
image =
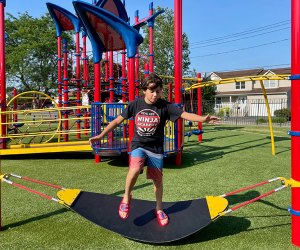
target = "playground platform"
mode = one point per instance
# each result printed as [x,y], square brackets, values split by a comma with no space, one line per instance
[46,148]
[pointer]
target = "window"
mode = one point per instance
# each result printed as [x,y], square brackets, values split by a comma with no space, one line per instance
[271,84]
[240,85]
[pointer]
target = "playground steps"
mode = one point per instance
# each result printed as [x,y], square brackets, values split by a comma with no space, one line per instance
[46,148]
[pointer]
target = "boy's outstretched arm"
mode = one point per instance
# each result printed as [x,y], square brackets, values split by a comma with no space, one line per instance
[197,118]
[111,126]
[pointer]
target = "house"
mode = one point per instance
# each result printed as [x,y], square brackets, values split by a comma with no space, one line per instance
[245,97]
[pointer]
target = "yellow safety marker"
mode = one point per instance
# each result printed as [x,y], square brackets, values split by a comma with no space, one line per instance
[68,196]
[216,205]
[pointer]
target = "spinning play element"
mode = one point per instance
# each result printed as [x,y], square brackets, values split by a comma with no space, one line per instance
[185,217]
[30,120]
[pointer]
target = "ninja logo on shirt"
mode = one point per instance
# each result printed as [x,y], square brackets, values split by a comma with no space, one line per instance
[146,122]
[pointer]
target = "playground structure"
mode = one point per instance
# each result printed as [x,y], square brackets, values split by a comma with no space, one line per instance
[294,182]
[75,116]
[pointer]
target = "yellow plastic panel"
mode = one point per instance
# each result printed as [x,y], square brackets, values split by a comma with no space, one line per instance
[216,205]
[68,196]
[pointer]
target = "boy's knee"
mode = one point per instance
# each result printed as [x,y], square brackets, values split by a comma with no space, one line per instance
[158,182]
[135,171]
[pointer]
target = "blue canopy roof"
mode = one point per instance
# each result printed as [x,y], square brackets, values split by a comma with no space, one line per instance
[63,19]
[114,6]
[106,31]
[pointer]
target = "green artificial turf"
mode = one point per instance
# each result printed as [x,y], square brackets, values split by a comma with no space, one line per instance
[228,158]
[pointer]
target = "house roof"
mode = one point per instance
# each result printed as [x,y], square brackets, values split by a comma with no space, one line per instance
[279,71]
[281,90]
[251,72]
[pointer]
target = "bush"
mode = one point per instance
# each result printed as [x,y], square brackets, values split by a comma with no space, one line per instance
[279,119]
[283,113]
[227,110]
[224,112]
[262,120]
[221,113]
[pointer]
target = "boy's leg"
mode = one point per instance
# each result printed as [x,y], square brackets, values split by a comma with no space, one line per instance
[137,162]
[132,175]
[154,172]
[158,190]
[162,218]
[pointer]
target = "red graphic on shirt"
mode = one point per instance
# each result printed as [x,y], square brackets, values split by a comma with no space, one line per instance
[146,122]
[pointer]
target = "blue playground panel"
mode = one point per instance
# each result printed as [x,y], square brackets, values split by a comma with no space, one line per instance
[116,142]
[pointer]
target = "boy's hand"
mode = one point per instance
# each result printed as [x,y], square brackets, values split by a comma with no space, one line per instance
[93,140]
[211,119]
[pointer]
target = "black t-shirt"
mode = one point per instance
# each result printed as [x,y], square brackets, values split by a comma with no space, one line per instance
[149,122]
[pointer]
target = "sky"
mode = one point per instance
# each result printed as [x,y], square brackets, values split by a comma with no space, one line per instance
[224,35]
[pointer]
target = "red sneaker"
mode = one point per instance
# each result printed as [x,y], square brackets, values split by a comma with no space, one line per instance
[162,218]
[124,209]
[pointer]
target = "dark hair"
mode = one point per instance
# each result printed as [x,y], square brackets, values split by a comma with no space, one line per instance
[152,81]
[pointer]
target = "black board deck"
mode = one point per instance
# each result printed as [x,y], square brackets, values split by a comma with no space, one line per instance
[185,217]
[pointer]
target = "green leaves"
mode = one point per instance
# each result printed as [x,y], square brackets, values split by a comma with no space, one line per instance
[31,52]
[164,44]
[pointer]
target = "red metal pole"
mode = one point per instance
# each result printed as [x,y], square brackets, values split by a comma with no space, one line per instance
[146,70]
[78,81]
[106,67]
[178,71]
[15,105]
[97,93]
[151,53]
[2,87]
[85,78]
[85,63]
[2,75]
[66,91]
[199,98]
[59,75]
[137,58]
[131,93]
[124,80]
[97,83]
[124,96]
[111,76]
[111,90]
[295,123]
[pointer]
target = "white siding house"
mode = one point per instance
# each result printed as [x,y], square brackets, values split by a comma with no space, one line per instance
[246,98]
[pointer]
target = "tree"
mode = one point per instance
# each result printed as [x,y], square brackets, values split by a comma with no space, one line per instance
[164,44]
[31,53]
[208,92]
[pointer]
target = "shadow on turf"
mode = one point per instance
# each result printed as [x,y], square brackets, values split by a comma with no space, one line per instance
[239,198]
[230,225]
[197,155]
[194,140]
[134,188]
[40,217]
[223,227]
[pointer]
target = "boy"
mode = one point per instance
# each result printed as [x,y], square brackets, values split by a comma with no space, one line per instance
[150,114]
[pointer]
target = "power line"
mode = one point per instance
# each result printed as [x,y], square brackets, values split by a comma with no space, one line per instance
[256,67]
[266,27]
[213,44]
[230,51]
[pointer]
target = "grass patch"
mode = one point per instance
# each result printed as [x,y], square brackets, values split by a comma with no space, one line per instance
[228,158]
